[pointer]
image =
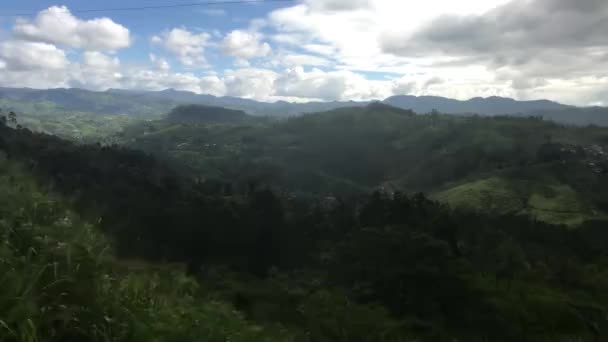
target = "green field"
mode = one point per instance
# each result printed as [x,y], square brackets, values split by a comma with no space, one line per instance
[551,203]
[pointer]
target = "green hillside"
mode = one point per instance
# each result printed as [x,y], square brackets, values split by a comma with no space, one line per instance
[554,203]
[62,282]
[494,194]
[100,239]
[196,114]
[353,150]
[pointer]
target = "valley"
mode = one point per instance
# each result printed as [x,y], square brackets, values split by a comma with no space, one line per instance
[364,223]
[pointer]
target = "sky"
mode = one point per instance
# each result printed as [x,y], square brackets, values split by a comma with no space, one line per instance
[314,50]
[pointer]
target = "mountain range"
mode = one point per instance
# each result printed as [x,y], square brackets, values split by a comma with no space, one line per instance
[157,103]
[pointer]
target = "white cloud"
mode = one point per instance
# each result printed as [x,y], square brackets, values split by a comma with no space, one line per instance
[586,91]
[97,60]
[265,85]
[35,65]
[57,25]
[333,85]
[154,80]
[357,49]
[40,79]
[159,63]
[212,85]
[354,35]
[354,32]
[242,63]
[189,47]
[291,59]
[19,55]
[250,83]
[290,38]
[97,71]
[338,5]
[457,84]
[245,45]
[320,49]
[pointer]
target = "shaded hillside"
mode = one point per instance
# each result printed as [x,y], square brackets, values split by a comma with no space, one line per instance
[62,282]
[197,114]
[353,150]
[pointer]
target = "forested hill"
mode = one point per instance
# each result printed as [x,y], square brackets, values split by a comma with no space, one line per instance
[505,164]
[205,114]
[379,268]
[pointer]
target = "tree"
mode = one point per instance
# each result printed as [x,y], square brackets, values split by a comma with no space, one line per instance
[12,118]
[267,222]
[511,260]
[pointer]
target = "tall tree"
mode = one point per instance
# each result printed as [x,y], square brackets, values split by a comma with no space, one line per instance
[12,118]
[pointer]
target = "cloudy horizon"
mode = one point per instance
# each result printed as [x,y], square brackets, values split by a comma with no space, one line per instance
[315,50]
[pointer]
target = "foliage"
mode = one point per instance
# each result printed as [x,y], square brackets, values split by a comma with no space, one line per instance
[385,266]
[204,114]
[546,200]
[61,283]
[355,150]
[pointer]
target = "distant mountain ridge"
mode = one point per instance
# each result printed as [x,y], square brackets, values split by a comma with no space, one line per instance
[156,103]
[493,105]
[252,107]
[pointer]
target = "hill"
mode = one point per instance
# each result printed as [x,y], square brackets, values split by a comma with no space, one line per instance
[353,150]
[63,271]
[197,114]
[267,267]
[61,280]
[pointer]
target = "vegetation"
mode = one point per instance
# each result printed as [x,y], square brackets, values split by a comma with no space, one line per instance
[60,282]
[554,203]
[500,163]
[196,114]
[265,264]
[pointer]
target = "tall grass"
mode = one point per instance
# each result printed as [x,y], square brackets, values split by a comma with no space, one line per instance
[60,282]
